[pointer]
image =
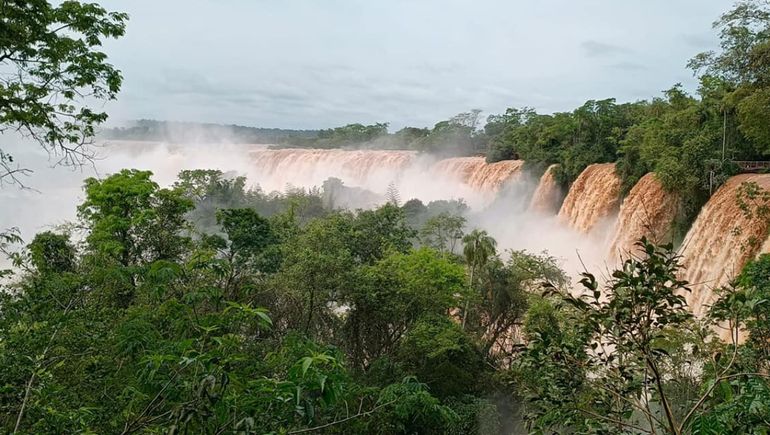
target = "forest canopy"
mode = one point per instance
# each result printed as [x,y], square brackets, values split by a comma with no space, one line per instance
[207,307]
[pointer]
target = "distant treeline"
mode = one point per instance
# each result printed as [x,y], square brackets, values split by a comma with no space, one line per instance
[456,136]
[152,130]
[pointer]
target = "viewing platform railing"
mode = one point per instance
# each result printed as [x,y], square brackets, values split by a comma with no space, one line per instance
[752,166]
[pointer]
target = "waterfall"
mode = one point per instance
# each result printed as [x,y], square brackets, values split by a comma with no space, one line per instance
[310,167]
[477,173]
[722,240]
[592,198]
[647,211]
[547,196]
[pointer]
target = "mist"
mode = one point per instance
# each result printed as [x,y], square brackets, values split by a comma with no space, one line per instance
[53,193]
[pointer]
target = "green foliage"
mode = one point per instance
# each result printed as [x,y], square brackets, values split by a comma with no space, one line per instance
[213,308]
[350,134]
[339,324]
[249,234]
[438,351]
[50,252]
[132,220]
[630,359]
[747,303]
[455,136]
[551,371]
[417,214]
[211,191]
[443,232]
[195,132]
[50,52]
[504,293]
[266,324]
[591,133]
[390,296]
[458,135]
[180,338]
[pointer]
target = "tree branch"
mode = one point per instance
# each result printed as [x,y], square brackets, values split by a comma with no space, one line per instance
[359,414]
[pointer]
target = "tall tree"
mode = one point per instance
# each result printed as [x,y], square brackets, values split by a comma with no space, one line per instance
[132,223]
[478,248]
[742,66]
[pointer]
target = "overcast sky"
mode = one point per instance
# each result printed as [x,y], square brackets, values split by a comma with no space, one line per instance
[313,63]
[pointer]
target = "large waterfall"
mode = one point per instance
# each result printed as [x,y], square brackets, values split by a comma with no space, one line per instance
[310,167]
[723,238]
[424,177]
[647,211]
[593,197]
[477,173]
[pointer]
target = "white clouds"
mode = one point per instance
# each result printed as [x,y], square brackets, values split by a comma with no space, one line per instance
[309,64]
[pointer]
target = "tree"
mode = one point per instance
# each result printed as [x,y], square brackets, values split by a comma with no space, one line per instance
[375,232]
[393,294]
[50,252]
[744,32]
[249,250]
[743,67]
[746,304]
[455,136]
[319,266]
[392,195]
[629,358]
[442,232]
[132,224]
[210,191]
[54,71]
[478,248]
[506,290]
[439,353]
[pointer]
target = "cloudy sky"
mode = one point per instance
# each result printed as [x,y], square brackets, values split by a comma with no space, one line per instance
[312,63]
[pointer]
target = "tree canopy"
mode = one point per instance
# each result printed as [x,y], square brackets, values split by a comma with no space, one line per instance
[53,71]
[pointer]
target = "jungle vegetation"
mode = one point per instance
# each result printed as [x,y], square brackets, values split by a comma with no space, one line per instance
[208,307]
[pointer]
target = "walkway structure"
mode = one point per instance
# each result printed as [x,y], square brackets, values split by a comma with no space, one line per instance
[752,165]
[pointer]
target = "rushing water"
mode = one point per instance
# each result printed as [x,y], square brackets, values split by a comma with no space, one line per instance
[592,222]
[592,198]
[647,211]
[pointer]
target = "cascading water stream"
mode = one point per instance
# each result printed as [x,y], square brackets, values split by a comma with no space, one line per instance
[547,196]
[477,173]
[724,237]
[647,211]
[310,167]
[592,198]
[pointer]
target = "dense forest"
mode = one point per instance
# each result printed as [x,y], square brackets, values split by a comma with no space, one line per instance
[210,307]
[192,132]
